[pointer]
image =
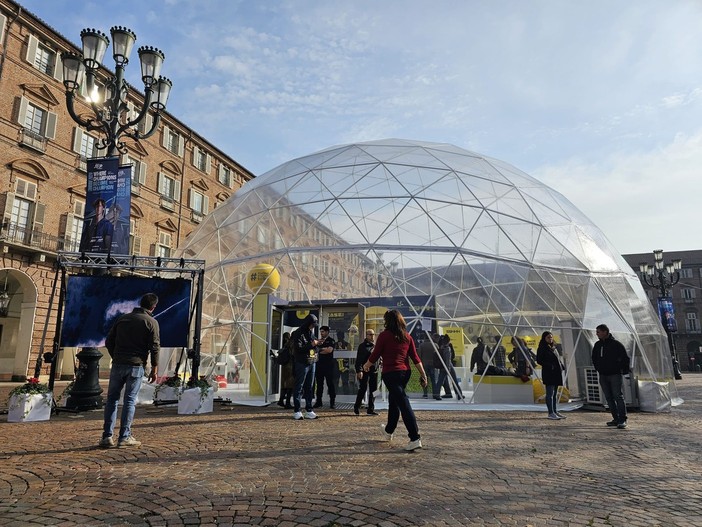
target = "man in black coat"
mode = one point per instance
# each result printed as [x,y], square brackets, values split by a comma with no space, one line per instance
[611,362]
[304,360]
[367,380]
[325,368]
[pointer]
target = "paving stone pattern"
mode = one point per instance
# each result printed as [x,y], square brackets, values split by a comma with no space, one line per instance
[256,466]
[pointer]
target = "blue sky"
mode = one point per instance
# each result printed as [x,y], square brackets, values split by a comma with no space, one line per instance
[601,100]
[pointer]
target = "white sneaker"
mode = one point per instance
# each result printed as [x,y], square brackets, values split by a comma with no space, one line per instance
[297,416]
[414,445]
[554,417]
[386,436]
[310,415]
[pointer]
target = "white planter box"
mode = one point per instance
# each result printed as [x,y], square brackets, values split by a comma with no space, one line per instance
[167,393]
[29,408]
[192,402]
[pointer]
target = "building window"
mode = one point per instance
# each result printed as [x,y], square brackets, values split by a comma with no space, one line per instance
[225,175]
[163,248]
[43,58]
[692,323]
[201,160]
[37,124]
[34,119]
[74,226]
[686,273]
[88,146]
[167,187]
[687,293]
[198,202]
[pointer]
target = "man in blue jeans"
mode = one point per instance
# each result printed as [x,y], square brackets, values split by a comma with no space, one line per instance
[130,341]
[611,362]
[304,354]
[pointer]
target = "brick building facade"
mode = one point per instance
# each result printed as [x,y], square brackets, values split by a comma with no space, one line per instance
[177,178]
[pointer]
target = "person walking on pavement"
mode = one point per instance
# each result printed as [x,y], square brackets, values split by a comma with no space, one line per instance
[131,340]
[611,362]
[304,356]
[325,369]
[426,351]
[551,372]
[396,348]
[367,381]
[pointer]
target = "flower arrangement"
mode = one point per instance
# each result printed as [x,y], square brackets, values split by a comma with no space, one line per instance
[202,383]
[21,393]
[173,382]
[31,387]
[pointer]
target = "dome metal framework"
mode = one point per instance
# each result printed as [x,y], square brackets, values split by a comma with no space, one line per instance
[497,251]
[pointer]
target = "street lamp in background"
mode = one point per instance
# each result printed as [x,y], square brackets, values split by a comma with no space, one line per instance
[111,116]
[663,276]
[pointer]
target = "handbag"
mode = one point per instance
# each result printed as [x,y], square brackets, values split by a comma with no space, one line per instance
[313,356]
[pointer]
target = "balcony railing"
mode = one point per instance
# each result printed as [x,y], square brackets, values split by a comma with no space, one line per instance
[19,235]
[32,140]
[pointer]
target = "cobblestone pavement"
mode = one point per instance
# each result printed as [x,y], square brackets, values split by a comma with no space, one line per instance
[256,466]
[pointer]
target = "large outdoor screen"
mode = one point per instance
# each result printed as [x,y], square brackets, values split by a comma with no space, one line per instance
[93,304]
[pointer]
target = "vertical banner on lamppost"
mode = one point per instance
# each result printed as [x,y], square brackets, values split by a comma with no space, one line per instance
[667,313]
[106,224]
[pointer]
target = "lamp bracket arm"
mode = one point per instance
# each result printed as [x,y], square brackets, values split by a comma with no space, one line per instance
[144,110]
[136,135]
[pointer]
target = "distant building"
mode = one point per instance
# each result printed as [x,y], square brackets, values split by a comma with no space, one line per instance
[177,178]
[687,303]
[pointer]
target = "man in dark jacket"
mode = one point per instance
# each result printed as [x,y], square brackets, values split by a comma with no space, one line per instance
[304,354]
[611,362]
[367,380]
[130,341]
[325,369]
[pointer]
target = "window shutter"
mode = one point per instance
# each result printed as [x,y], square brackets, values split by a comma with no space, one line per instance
[205,204]
[67,228]
[208,163]
[152,251]
[39,211]
[50,129]
[191,196]
[141,176]
[58,67]
[32,44]
[9,202]
[135,245]
[181,146]
[176,191]
[196,152]
[145,124]
[77,139]
[79,208]
[21,111]
[3,20]
[159,183]
[164,136]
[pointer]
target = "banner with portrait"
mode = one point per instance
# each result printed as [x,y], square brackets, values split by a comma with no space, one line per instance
[108,201]
[667,313]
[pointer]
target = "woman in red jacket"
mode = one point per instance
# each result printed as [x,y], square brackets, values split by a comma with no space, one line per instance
[396,348]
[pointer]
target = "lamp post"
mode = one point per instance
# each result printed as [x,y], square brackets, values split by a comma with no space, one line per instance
[112,120]
[110,116]
[663,276]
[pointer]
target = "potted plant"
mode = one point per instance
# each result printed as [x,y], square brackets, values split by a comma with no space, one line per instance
[197,397]
[29,402]
[168,389]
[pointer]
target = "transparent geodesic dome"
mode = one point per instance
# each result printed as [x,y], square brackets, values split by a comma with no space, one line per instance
[496,252]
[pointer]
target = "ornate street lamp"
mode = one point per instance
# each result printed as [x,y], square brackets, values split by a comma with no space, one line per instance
[663,276]
[111,117]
